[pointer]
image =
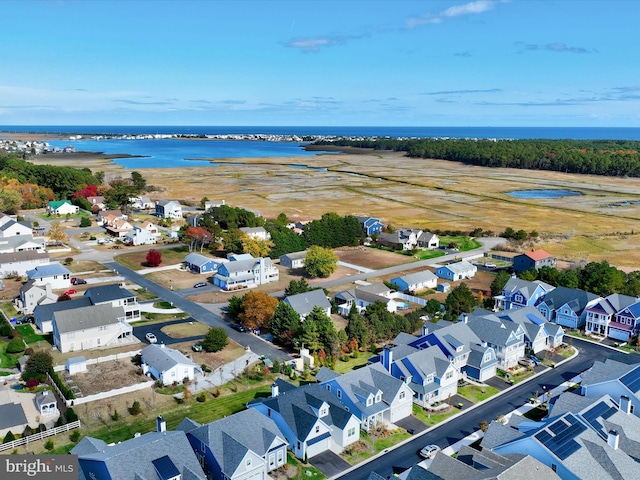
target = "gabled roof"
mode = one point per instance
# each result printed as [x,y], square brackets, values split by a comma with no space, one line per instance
[325,374]
[133,459]
[606,371]
[403,338]
[295,255]
[198,259]
[525,287]
[459,267]
[417,277]
[87,317]
[304,303]
[575,298]
[378,288]
[55,204]
[23,256]
[496,331]
[430,361]
[107,293]
[537,255]
[162,358]
[50,270]
[47,310]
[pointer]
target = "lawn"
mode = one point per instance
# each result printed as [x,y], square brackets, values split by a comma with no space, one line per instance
[432,418]
[30,336]
[352,363]
[137,260]
[9,309]
[7,360]
[372,444]
[463,243]
[477,394]
[422,254]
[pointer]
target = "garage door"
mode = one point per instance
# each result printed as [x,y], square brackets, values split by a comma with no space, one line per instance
[318,445]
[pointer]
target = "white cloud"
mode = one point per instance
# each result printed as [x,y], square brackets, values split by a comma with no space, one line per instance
[471,8]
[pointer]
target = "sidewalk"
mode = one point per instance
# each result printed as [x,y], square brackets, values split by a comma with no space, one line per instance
[223,374]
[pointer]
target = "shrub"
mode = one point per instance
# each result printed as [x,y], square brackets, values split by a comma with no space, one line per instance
[70,415]
[29,351]
[27,431]
[201,397]
[49,445]
[85,222]
[16,346]
[9,437]
[75,436]
[68,260]
[32,382]
[135,408]
[39,362]
[5,330]
[215,339]
[115,416]
[154,258]
[42,378]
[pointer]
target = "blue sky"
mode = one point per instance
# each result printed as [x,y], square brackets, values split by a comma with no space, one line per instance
[329,62]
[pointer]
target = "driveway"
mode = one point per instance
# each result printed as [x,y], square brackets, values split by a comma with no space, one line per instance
[329,463]
[162,337]
[411,424]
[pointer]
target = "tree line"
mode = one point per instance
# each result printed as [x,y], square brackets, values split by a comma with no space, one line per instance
[614,158]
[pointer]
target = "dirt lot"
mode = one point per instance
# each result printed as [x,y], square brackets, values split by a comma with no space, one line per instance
[106,376]
[370,257]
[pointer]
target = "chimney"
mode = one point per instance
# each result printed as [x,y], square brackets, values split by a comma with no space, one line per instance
[613,439]
[625,404]
[275,391]
[465,317]
[161,424]
[387,357]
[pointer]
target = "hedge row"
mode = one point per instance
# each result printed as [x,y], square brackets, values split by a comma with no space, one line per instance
[66,391]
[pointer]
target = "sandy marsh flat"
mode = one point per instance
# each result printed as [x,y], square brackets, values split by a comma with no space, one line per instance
[426,193]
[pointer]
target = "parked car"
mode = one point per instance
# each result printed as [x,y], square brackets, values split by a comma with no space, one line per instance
[78,281]
[71,291]
[429,451]
[490,265]
[196,347]
[526,362]
[151,338]
[238,327]
[534,359]
[200,284]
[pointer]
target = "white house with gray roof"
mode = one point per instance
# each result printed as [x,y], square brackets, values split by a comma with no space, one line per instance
[167,365]
[304,303]
[54,273]
[115,296]
[244,446]
[505,337]
[31,295]
[539,335]
[90,327]
[293,260]
[242,272]
[415,282]
[168,209]
[159,455]
[43,313]
[19,263]
[365,295]
[257,233]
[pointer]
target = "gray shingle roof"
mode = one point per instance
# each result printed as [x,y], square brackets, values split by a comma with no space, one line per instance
[107,293]
[42,271]
[304,303]
[576,299]
[367,378]
[132,459]
[162,358]
[418,277]
[494,330]
[23,256]
[460,267]
[87,317]
[45,312]
[605,371]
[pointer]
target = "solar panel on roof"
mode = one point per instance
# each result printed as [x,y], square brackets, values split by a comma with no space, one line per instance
[534,319]
[558,427]
[600,410]
[563,444]
[166,468]
[632,380]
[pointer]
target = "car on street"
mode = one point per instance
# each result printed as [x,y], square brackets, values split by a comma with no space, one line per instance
[71,291]
[151,338]
[238,327]
[526,362]
[534,359]
[200,285]
[78,281]
[429,451]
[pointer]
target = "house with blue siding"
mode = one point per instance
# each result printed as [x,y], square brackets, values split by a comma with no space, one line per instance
[199,263]
[505,337]
[456,271]
[311,420]
[619,380]
[533,260]
[626,323]
[370,225]
[539,335]
[614,316]
[567,306]
[519,293]
[245,445]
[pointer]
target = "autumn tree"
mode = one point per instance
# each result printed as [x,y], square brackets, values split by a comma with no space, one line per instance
[257,309]
[320,262]
[10,201]
[154,258]
[198,236]
[256,247]
[57,234]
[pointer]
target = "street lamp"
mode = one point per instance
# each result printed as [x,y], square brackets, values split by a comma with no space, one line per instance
[170,284]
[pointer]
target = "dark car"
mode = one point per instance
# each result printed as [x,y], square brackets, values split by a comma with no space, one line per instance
[200,284]
[534,359]
[78,281]
[238,327]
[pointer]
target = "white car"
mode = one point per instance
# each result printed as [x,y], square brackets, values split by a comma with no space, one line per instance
[151,338]
[429,451]
[490,265]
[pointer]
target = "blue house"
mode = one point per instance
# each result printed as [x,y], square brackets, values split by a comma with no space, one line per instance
[417,281]
[201,264]
[567,306]
[457,271]
[521,293]
[241,446]
[370,225]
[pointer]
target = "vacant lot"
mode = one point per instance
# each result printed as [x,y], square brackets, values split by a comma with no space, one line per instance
[371,257]
[106,376]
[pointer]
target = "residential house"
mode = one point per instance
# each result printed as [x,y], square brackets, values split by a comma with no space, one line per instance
[428,372]
[90,327]
[567,306]
[209,204]
[533,260]
[461,346]
[168,209]
[293,260]
[415,282]
[539,335]
[21,243]
[96,202]
[115,296]
[521,293]
[505,337]
[582,438]
[167,365]
[304,303]
[428,241]
[401,239]
[19,263]
[12,228]
[62,207]
[193,220]
[151,228]
[619,380]
[142,203]
[200,264]
[119,228]
[366,295]
[626,323]
[43,313]
[257,233]
[311,419]
[245,273]
[162,455]
[373,395]
[54,273]
[139,236]
[600,315]
[456,271]
[245,445]
[31,295]
[107,217]
[370,226]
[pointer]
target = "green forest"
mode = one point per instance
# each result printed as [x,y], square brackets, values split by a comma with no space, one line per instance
[616,158]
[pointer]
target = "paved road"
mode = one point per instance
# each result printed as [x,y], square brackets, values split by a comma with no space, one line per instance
[200,313]
[156,328]
[456,429]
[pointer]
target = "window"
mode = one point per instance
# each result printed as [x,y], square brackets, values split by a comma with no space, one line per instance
[369,401]
[272,460]
[323,411]
[248,462]
[449,375]
[351,432]
[401,395]
[280,457]
[299,445]
[317,428]
[378,397]
[329,388]
[554,467]
[339,393]
[268,412]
